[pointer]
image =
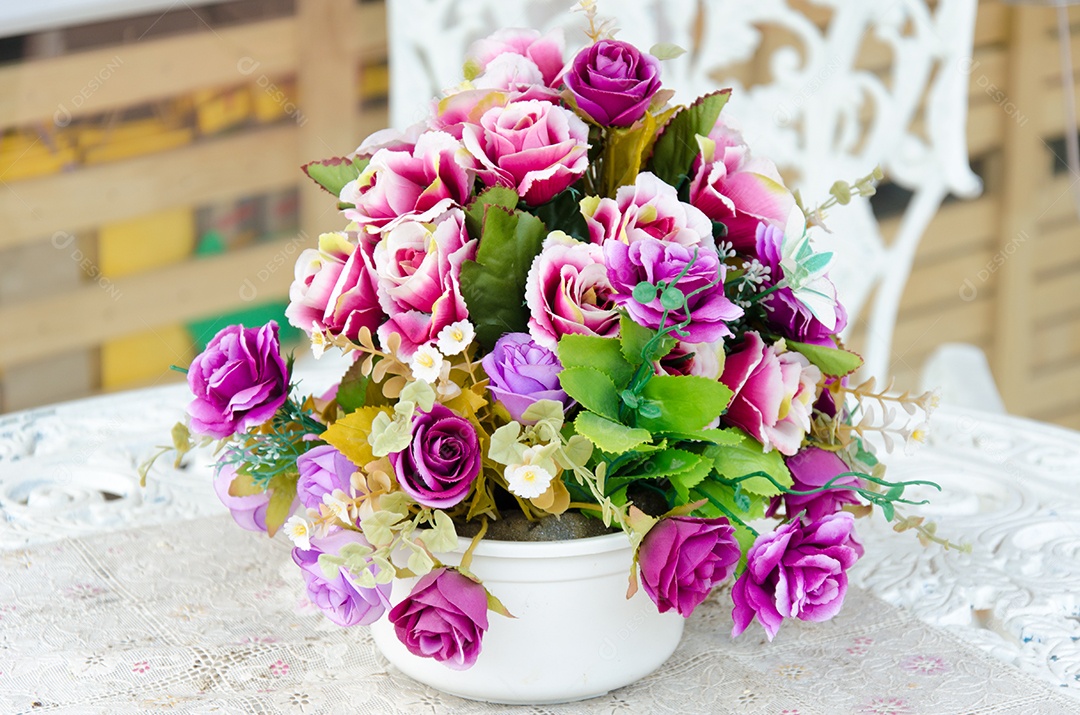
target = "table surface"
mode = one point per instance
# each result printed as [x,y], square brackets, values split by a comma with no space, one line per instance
[69,472]
[19,17]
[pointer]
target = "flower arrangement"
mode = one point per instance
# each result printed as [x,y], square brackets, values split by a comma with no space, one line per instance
[564,296]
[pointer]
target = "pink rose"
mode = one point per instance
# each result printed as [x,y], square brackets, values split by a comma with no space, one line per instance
[334,288]
[418,268]
[700,359]
[543,52]
[400,185]
[682,558]
[454,112]
[444,618]
[648,209]
[774,393]
[738,190]
[568,291]
[534,147]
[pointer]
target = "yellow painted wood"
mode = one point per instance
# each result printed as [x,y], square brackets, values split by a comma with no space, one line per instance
[145,357]
[147,242]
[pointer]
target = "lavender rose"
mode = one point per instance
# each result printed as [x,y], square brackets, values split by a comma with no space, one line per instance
[613,82]
[249,512]
[444,618]
[522,372]
[239,381]
[568,292]
[536,148]
[334,289]
[812,468]
[797,571]
[654,261]
[342,600]
[441,463]
[323,470]
[682,558]
[774,393]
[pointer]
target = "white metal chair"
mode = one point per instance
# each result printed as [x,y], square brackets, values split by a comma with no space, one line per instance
[819,116]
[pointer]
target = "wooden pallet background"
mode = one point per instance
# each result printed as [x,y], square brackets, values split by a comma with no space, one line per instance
[126,234]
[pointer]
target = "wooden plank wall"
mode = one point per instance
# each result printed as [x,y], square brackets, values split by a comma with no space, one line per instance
[1001,272]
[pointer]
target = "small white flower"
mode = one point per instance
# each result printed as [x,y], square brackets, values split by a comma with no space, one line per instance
[916,438]
[454,338]
[299,530]
[426,363]
[318,340]
[340,505]
[528,481]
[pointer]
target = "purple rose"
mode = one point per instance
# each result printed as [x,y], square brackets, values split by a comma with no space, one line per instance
[340,598]
[812,468]
[249,512]
[682,558]
[797,571]
[443,618]
[439,466]
[652,260]
[322,470]
[522,372]
[239,381]
[613,82]
[791,318]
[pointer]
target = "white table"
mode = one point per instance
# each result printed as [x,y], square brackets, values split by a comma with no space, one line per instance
[1009,490]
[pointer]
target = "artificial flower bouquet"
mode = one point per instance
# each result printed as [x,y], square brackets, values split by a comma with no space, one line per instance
[566,299]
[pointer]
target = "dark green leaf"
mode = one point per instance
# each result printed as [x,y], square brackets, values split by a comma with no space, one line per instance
[592,389]
[831,361]
[352,392]
[609,436]
[494,284]
[687,403]
[333,174]
[682,482]
[677,146]
[713,436]
[563,213]
[603,354]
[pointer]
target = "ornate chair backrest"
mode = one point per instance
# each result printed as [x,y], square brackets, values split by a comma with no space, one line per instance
[822,112]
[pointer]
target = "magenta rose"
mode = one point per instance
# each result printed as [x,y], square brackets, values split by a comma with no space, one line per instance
[682,558]
[239,381]
[648,209]
[335,289]
[567,291]
[813,468]
[521,372]
[784,312]
[344,602]
[613,82]
[418,268]
[323,470]
[528,49]
[797,571]
[444,618]
[536,148]
[774,393]
[736,189]
[441,463]
[654,261]
[400,185]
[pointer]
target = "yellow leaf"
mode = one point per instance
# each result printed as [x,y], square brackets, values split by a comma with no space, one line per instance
[244,486]
[350,434]
[467,404]
[282,494]
[555,500]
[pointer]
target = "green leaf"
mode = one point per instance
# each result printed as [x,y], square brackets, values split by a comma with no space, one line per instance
[592,388]
[712,436]
[603,354]
[633,338]
[677,146]
[352,392]
[687,402]
[666,51]
[501,196]
[831,361]
[746,457]
[682,482]
[625,150]
[723,494]
[665,463]
[282,494]
[494,284]
[333,174]
[608,435]
[563,213]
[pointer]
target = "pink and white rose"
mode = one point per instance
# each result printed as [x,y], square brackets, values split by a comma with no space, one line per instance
[334,289]
[418,268]
[774,393]
[401,185]
[531,146]
[568,292]
[648,209]
[543,52]
[737,189]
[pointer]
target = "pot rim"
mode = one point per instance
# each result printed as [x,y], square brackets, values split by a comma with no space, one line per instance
[588,546]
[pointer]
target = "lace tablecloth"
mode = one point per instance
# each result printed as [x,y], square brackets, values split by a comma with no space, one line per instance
[200,617]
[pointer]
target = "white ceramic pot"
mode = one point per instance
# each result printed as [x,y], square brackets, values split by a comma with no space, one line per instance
[576,635]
